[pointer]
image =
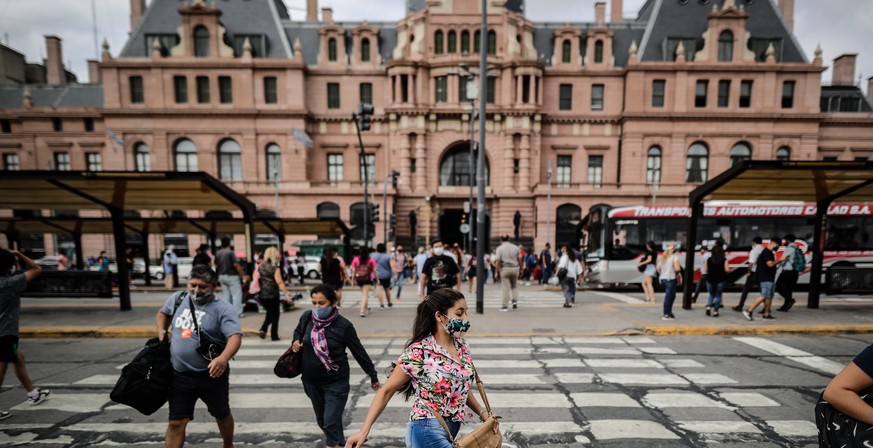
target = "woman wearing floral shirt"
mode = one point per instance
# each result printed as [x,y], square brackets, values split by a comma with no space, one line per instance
[436,370]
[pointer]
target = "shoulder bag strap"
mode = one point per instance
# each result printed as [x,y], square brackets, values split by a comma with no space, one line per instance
[194,317]
[481,388]
[443,424]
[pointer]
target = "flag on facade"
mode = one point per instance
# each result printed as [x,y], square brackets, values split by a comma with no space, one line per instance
[301,136]
[116,139]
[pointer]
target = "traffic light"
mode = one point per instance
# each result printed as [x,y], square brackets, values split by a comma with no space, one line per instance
[365,115]
[394,175]
[392,220]
[374,212]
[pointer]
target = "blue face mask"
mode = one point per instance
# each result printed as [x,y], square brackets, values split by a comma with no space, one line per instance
[322,313]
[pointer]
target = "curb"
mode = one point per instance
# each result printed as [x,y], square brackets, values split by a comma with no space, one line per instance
[735,330]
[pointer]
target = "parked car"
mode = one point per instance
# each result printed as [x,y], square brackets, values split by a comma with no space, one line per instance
[185,265]
[311,269]
[49,263]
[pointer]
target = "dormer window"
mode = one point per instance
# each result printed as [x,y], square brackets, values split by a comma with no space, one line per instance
[331,50]
[166,42]
[598,52]
[365,50]
[726,46]
[201,42]
[257,41]
[565,51]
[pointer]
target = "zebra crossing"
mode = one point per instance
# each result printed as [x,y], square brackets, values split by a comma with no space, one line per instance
[569,391]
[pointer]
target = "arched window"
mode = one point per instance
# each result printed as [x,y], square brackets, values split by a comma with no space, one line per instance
[453,42]
[201,42]
[697,166]
[229,160]
[186,156]
[331,49]
[598,52]
[492,42]
[726,46]
[142,159]
[566,49]
[477,40]
[456,169]
[653,166]
[465,41]
[274,162]
[568,218]
[783,153]
[740,153]
[438,42]
[327,210]
[365,50]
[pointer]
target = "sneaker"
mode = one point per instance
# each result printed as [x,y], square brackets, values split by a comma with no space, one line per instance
[43,396]
[747,315]
[504,309]
[4,415]
[768,317]
[262,334]
[363,315]
[737,308]
[390,305]
[708,311]
[381,307]
[667,318]
[514,306]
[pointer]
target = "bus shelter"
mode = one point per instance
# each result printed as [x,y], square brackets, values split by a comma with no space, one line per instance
[821,183]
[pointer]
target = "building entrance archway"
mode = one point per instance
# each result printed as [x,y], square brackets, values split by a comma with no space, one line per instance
[450,229]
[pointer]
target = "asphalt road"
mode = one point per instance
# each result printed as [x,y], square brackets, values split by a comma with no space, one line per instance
[564,391]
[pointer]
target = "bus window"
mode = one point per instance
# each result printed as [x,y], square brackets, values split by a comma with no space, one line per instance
[849,233]
[596,235]
[662,230]
[710,230]
[627,241]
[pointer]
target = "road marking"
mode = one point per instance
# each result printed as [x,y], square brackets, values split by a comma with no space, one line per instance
[605,351]
[681,400]
[630,429]
[624,298]
[583,400]
[681,363]
[748,399]
[720,427]
[709,378]
[642,378]
[574,378]
[624,363]
[77,403]
[796,355]
[592,340]
[793,428]
[657,350]
[563,362]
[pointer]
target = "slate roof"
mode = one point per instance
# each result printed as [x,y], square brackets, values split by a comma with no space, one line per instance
[625,33]
[307,32]
[238,17]
[421,5]
[71,95]
[844,99]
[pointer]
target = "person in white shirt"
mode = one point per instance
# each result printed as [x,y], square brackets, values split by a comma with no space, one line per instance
[569,262]
[701,285]
[669,269]
[752,277]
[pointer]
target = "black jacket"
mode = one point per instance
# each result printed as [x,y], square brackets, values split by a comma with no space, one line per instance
[340,334]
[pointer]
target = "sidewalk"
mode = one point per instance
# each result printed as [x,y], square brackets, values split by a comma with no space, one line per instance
[596,313]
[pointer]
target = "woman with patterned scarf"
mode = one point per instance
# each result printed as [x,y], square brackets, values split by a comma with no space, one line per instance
[324,336]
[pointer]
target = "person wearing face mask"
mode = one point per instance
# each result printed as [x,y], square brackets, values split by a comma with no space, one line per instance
[199,374]
[439,271]
[324,335]
[436,370]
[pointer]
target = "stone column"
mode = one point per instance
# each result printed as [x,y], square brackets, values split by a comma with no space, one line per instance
[421,166]
[508,163]
[410,88]
[406,163]
[524,164]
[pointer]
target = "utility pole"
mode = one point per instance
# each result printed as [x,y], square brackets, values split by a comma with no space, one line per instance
[362,123]
[480,169]
[549,204]
[472,237]
[385,210]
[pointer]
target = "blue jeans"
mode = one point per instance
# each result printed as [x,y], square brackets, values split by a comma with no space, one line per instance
[231,286]
[669,296]
[401,276]
[429,433]
[715,290]
[568,286]
[329,403]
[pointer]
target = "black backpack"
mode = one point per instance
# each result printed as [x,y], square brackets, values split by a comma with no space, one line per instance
[144,383]
[837,430]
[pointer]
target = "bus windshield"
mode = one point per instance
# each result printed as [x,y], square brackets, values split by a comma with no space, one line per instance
[629,236]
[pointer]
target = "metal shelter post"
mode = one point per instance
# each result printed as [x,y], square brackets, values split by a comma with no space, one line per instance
[691,240]
[248,217]
[146,259]
[118,236]
[347,247]
[80,258]
[818,242]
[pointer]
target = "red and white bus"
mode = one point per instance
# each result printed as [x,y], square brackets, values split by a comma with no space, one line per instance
[615,237]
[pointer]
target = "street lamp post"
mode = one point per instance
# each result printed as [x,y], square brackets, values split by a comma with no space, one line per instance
[276,188]
[472,237]
[480,169]
[549,204]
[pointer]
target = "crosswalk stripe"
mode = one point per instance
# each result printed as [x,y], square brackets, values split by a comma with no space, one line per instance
[602,399]
[680,400]
[624,363]
[748,399]
[793,354]
[624,298]
[720,427]
[641,378]
[630,429]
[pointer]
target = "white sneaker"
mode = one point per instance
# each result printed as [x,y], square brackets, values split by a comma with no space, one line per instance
[4,415]
[43,396]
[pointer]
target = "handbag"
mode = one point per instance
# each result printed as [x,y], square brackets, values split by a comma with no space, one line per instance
[483,436]
[562,274]
[837,430]
[289,365]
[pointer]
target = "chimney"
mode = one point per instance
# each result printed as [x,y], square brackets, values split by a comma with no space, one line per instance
[616,10]
[54,64]
[870,90]
[137,7]
[312,10]
[787,8]
[327,15]
[94,74]
[844,70]
[600,12]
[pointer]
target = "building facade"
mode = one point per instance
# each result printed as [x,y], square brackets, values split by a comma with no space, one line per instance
[624,111]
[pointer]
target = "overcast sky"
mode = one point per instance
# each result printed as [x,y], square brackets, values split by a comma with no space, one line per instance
[840,26]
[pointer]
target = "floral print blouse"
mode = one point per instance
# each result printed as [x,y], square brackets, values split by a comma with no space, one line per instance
[439,382]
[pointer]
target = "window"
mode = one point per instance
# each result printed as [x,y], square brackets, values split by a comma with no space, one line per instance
[462,88]
[566,51]
[201,42]
[783,153]
[271,92]
[229,160]
[166,42]
[274,163]
[492,90]
[57,124]
[453,42]
[564,171]
[696,168]
[653,166]
[456,169]
[441,89]
[225,89]
[746,94]
[180,87]
[333,95]
[595,171]
[5,126]
[404,88]
[327,210]
[335,167]
[11,162]
[331,50]
[726,46]
[759,47]
[136,90]
[368,160]
[740,153]
[658,88]
[186,156]
[62,161]
[689,44]
[492,43]
[365,50]
[597,97]
[477,41]
[700,93]
[525,88]
[366,92]
[465,41]
[142,161]
[438,42]
[94,161]
[788,94]
[203,90]
[566,97]
[598,52]
[724,93]
[88,122]
[256,41]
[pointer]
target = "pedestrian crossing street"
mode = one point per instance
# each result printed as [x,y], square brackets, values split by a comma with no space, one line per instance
[569,391]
